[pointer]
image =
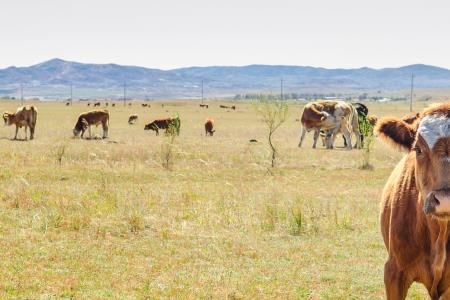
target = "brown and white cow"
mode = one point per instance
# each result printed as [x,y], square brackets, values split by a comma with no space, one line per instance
[132,119]
[25,116]
[332,117]
[415,207]
[209,127]
[87,119]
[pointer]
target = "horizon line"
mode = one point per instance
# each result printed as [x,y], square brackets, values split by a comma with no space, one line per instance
[224,66]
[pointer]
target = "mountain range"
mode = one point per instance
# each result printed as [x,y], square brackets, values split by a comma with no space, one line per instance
[53,78]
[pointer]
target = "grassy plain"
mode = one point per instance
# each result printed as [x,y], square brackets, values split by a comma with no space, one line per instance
[104,219]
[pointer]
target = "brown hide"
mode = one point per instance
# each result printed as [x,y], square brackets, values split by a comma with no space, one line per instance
[415,236]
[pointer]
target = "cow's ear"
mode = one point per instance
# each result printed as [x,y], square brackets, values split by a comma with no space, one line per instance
[396,132]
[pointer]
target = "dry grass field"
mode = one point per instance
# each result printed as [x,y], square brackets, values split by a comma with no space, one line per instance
[98,219]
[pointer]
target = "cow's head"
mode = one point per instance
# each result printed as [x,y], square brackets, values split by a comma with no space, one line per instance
[81,126]
[428,140]
[151,126]
[7,117]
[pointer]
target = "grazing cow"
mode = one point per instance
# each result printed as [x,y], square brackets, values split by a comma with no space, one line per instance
[144,104]
[89,104]
[204,105]
[68,103]
[415,207]
[106,103]
[113,105]
[233,107]
[223,106]
[132,119]
[25,116]
[332,117]
[96,104]
[94,117]
[164,124]
[410,118]
[209,127]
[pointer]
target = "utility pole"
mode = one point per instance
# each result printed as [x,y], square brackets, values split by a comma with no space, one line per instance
[202,91]
[71,94]
[281,88]
[412,92]
[21,93]
[124,93]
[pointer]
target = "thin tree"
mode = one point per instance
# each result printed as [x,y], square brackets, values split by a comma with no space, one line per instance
[273,114]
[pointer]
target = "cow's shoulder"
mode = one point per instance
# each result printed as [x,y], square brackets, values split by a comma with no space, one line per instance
[404,226]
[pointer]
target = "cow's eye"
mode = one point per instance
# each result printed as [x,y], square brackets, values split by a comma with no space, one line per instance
[418,150]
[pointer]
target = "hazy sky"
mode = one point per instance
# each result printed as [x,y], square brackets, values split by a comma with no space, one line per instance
[168,34]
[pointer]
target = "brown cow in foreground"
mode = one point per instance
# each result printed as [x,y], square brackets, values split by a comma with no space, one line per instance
[209,127]
[87,119]
[415,208]
[25,116]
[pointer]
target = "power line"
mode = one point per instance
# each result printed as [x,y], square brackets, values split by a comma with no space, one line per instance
[412,91]
[21,93]
[202,91]
[281,88]
[124,93]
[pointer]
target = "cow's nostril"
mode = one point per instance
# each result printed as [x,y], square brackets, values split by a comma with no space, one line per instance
[436,201]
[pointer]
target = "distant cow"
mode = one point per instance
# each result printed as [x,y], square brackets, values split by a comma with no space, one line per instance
[113,105]
[87,119]
[132,119]
[233,107]
[332,117]
[223,106]
[25,116]
[415,207]
[204,105]
[144,104]
[164,124]
[96,104]
[410,118]
[106,103]
[68,103]
[89,104]
[129,104]
[209,127]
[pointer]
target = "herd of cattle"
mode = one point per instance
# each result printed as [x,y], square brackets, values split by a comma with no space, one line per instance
[415,209]
[326,118]
[26,116]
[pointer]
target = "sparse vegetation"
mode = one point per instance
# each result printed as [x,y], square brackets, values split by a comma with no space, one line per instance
[108,222]
[273,114]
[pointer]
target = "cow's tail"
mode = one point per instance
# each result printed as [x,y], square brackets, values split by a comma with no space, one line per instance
[34,115]
[354,125]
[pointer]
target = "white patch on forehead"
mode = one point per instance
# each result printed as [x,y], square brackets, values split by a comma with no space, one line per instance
[434,127]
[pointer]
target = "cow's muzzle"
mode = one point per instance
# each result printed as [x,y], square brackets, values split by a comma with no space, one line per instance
[438,203]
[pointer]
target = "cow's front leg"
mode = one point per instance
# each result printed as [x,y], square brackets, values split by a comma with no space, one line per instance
[395,281]
[17,130]
[90,134]
[26,132]
[302,135]
[316,136]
